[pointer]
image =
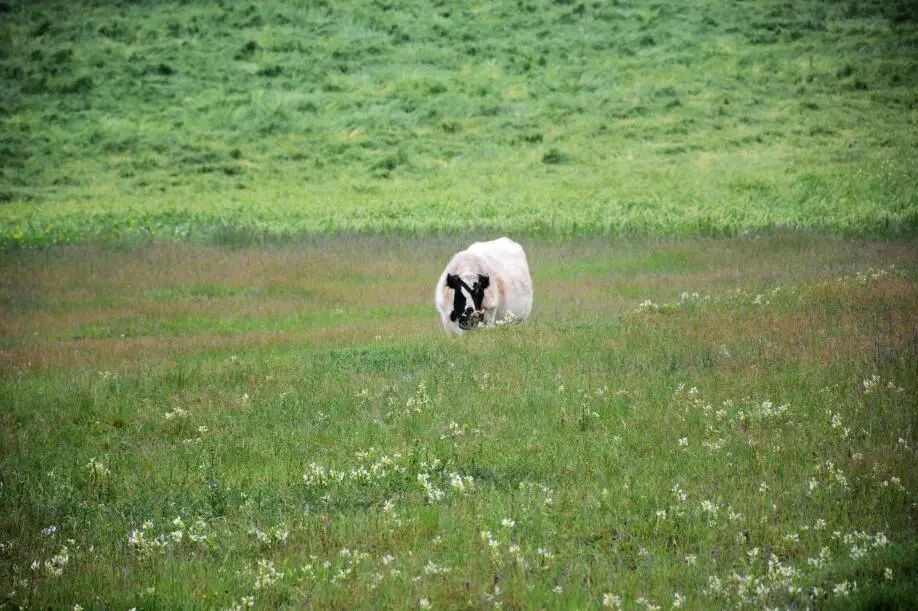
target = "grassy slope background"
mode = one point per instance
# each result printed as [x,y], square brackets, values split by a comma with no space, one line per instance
[123,118]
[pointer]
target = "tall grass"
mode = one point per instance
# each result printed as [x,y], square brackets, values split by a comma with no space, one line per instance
[707,118]
[704,423]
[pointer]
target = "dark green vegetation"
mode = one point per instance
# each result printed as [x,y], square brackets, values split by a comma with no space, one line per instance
[729,421]
[278,118]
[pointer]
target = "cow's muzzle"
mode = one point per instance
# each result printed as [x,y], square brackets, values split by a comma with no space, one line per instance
[470,319]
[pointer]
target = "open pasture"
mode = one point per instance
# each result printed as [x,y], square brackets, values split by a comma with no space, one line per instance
[698,423]
[187,119]
[223,383]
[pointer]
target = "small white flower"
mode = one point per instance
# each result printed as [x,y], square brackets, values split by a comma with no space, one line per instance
[842,589]
[888,574]
[96,468]
[871,383]
[507,523]
[690,559]
[424,603]
[612,601]
[683,441]
[559,589]
[432,568]
[678,600]
[647,604]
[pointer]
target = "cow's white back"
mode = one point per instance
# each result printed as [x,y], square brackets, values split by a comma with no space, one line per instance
[509,294]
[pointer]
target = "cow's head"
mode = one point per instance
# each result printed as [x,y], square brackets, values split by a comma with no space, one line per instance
[468,310]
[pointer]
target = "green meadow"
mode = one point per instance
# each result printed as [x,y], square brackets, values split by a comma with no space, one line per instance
[276,119]
[698,422]
[223,382]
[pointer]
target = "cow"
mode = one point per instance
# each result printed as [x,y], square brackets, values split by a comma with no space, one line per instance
[488,283]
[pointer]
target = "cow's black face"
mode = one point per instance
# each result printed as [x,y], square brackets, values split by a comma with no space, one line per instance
[468,311]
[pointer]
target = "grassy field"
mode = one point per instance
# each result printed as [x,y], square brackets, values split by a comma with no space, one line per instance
[694,422]
[283,118]
[222,379]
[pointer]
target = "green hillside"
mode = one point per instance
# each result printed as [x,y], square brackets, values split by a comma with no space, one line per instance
[542,117]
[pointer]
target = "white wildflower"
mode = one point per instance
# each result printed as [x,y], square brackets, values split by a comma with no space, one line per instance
[96,468]
[679,493]
[842,589]
[647,306]
[266,575]
[871,383]
[432,568]
[647,604]
[178,412]
[55,565]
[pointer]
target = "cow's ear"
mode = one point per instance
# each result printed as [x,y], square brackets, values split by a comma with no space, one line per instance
[453,316]
[483,281]
[452,281]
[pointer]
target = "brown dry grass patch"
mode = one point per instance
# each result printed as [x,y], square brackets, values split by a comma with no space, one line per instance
[51,298]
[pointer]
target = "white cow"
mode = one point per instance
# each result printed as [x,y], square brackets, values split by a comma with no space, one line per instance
[486,283]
